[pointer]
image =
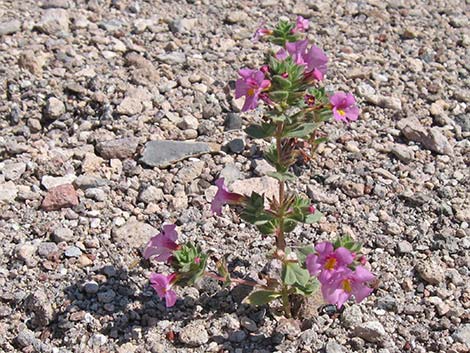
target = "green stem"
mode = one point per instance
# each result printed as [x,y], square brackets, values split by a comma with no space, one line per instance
[280,240]
[285,301]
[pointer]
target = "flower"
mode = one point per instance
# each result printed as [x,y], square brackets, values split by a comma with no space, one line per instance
[301,25]
[261,31]
[345,283]
[344,107]
[223,196]
[313,58]
[163,244]
[162,285]
[310,100]
[251,84]
[327,260]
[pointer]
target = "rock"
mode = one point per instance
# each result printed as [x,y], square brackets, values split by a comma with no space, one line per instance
[173,58]
[230,173]
[263,185]
[191,172]
[50,182]
[393,103]
[404,247]
[130,106]
[91,287]
[353,189]
[54,108]
[31,61]
[164,153]
[134,234]
[151,194]
[25,252]
[50,4]
[60,197]
[194,334]
[430,138]
[189,122]
[8,192]
[9,27]
[233,121]
[249,324]
[47,248]
[371,331]
[62,234]
[39,303]
[262,167]
[13,171]
[89,181]
[351,317]
[236,145]
[53,21]
[318,195]
[122,148]
[431,271]
[403,153]
[289,328]
[91,163]
[462,334]
[183,25]
[334,347]
[25,338]
[73,251]
[97,340]
[107,296]
[95,194]
[236,17]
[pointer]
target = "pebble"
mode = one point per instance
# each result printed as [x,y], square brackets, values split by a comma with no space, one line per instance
[62,234]
[91,287]
[133,234]
[9,27]
[53,21]
[50,182]
[334,347]
[130,106]
[371,331]
[122,148]
[236,145]
[47,248]
[173,58]
[73,251]
[97,340]
[353,189]
[233,121]
[404,247]
[54,108]
[13,171]
[249,324]
[403,153]
[431,271]
[151,194]
[39,303]
[58,197]
[194,334]
[462,334]
[8,192]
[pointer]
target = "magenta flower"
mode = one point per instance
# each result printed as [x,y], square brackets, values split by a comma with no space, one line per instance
[301,25]
[344,107]
[313,58]
[162,245]
[223,196]
[345,283]
[327,261]
[281,54]
[261,31]
[162,285]
[251,84]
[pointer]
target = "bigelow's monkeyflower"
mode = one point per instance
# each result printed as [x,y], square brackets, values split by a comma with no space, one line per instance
[344,107]
[327,260]
[251,84]
[162,285]
[162,245]
[223,197]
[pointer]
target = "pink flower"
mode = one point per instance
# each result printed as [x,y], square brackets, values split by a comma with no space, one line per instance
[251,84]
[313,58]
[162,285]
[261,31]
[162,245]
[301,25]
[345,283]
[281,54]
[223,196]
[327,261]
[344,107]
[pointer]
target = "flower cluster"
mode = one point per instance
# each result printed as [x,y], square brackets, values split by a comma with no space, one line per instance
[288,85]
[339,274]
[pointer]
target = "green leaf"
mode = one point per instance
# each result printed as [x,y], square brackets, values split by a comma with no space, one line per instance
[292,273]
[301,130]
[261,131]
[348,243]
[262,297]
[282,176]
[281,82]
[320,140]
[268,227]
[254,211]
[279,96]
[303,252]
[313,217]
[309,288]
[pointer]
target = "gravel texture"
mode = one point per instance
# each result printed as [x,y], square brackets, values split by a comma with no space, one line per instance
[88,85]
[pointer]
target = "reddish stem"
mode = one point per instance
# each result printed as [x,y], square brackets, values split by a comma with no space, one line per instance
[235,280]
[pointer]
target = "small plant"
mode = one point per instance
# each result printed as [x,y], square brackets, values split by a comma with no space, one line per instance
[295,108]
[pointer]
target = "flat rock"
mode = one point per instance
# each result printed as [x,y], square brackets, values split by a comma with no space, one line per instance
[371,331]
[60,197]
[50,182]
[173,58]
[194,334]
[53,21]
[164,153]
[130,106]
[431,271]
[263,185]
[431,138]
[117,149]
[8,191]
[134,234]
[403,153]
[9,27]
[39,303]
[12,171]
[54,108]
[462,334]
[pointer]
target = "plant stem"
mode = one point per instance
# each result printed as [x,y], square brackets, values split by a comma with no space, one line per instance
[235,280]
[280,241]
[285,301]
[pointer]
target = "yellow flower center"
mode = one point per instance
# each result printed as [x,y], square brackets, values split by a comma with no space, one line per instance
[347,285]
[251,92]
[330,263]
[341,112]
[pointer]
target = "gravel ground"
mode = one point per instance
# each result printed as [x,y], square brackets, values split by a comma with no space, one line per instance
[86,85]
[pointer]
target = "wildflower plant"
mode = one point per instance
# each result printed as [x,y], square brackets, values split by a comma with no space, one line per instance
[296,106]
